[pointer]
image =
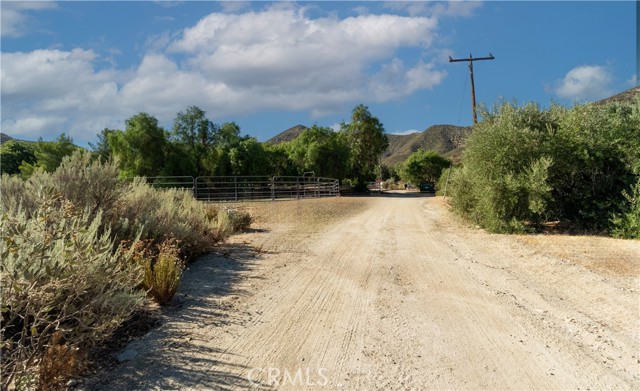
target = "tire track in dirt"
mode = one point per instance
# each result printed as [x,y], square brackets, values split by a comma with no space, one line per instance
[400,296]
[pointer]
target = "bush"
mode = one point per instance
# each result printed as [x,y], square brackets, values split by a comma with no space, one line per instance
[524,166]
[239,220]
[60,276]
[627,224]
[89,183]
[162,269]
[169,214]
[26,194]
[423,166]
[66,281]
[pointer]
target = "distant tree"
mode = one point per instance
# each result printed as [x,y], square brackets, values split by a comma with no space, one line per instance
[384,172]
[423,166]
[49,154]
[322,151]
[102,148]
[279,161]
[367,140]
[14,153]
[175,163]
[215,160]
[141,148]
[198,135]
[228,135]
[249,158]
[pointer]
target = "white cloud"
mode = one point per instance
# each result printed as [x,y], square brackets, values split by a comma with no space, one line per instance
[585,82]
[15,16]
[281,51]
[229,64]
[405,132]
[633,81]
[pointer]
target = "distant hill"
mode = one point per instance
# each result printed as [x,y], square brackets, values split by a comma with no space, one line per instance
[4,138]
[288,135]
[447,140]
[624,97]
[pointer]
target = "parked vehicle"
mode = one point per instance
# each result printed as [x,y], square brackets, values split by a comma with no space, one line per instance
[427,187]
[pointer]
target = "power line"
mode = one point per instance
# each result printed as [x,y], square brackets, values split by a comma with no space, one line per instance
[473,90]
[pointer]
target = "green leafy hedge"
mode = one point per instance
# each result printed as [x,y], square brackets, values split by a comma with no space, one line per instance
[525,166]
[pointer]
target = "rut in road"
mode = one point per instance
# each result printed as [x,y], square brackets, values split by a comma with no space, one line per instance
[399,296]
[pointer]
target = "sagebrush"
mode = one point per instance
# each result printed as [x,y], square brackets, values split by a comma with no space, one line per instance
[68,280]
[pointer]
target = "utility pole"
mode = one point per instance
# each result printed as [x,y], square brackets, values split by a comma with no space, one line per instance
[473,90]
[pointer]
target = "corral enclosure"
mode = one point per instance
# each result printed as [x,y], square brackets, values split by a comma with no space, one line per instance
[246,188]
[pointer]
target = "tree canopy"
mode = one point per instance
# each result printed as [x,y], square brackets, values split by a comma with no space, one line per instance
[367,140]
[423,166]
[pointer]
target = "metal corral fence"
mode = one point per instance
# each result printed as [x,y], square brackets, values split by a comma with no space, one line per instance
[243,188]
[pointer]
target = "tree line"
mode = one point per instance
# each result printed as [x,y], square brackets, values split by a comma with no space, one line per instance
[196,146]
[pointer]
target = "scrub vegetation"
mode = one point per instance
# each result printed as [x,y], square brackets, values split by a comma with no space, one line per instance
[81,249]
[525,168]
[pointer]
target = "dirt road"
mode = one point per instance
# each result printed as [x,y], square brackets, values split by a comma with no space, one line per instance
[394,293]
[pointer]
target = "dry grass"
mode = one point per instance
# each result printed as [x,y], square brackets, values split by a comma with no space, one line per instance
[600,254]
[316,213]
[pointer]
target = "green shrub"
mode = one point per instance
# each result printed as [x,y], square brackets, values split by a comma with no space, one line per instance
[59,275]
[423,166]
[524,166]
[627,224]
[162,269]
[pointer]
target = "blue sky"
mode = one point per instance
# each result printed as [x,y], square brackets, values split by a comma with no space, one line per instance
[78,67]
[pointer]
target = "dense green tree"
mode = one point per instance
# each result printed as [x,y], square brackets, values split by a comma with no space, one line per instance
[322,151]
[279,161]
[49,154]
[141,147]
[15,153]
[367,140]
[175,163]
[423,166]
[228,135]
[192,129]
[249,158]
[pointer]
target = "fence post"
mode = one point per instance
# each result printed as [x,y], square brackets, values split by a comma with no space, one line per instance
[235,187]
[273,188]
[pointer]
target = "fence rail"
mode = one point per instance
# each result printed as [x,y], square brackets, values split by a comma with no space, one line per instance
[244,188]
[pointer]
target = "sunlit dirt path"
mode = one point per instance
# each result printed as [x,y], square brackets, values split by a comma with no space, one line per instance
[391,293]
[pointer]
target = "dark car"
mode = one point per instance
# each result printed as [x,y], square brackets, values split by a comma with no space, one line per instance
[427,187]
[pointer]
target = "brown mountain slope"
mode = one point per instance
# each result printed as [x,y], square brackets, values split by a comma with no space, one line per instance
[4,138]
[445,139]
[287,135]
[624,97]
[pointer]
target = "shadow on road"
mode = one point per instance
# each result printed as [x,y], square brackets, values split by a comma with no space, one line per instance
[395,193]
[178,353]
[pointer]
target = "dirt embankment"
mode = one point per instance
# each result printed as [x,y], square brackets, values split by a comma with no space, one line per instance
[394,293]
